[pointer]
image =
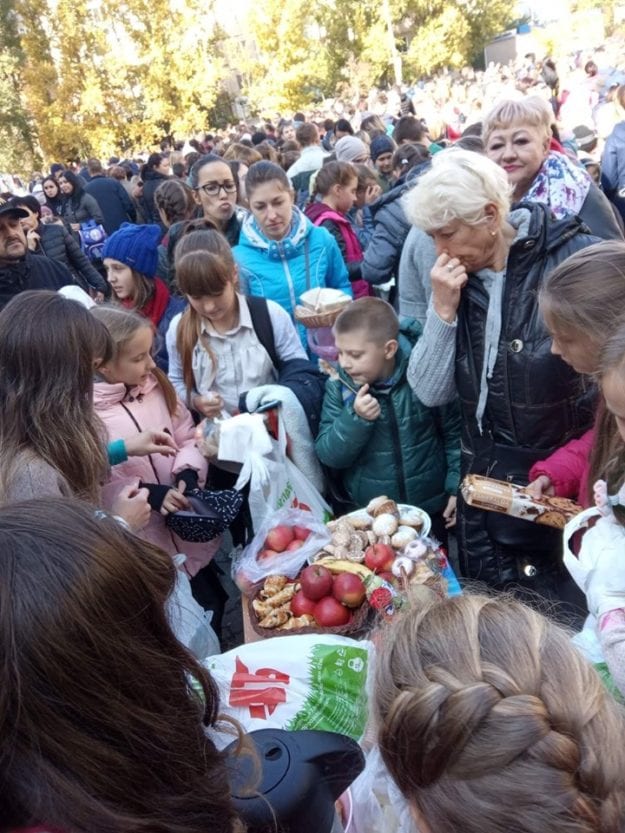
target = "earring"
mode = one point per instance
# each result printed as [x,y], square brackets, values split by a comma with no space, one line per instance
[493,234]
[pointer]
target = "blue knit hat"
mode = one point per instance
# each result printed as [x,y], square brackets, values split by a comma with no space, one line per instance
[136,246]
[380,145]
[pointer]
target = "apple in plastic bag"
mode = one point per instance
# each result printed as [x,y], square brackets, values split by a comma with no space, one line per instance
[279,538]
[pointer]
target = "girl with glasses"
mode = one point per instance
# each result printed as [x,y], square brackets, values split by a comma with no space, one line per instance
[215,192]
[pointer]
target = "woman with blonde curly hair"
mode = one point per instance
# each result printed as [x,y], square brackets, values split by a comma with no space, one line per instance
[490,721]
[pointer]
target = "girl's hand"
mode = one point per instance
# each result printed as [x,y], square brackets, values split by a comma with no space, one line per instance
[209,406]
[132,505]
[372,192]
[448,277]
[151,442]
[174,501]
[449,512]
[366,406]
[540,487]
[32,238]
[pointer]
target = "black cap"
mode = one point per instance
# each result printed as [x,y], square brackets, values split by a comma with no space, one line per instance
[10,208]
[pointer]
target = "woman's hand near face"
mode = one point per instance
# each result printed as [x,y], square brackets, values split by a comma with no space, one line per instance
[448,277]
[32,238]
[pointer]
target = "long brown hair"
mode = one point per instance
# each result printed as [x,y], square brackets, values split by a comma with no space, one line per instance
[490,720]
[122,324]
[585,295]
[102,710]
[204,266]
[608,460]
[48,346]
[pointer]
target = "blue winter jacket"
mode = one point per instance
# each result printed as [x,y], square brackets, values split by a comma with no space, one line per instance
[277,269]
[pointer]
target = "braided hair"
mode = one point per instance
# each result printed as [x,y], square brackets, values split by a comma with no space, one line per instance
[490,721]
[175,199]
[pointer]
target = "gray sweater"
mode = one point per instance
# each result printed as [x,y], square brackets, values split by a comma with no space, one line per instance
[415,286]
[33,478]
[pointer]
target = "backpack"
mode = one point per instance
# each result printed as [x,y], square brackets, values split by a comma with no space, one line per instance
[259,313]
[92,238]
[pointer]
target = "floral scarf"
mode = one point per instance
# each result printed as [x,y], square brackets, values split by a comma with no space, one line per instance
[560,184]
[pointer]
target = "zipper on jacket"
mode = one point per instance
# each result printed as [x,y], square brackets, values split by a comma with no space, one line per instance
[289,281]
[139,429]
[397,449]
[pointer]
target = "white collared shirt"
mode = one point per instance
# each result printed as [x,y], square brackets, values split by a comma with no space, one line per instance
[239,362]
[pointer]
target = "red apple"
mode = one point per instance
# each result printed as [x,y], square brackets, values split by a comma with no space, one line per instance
[279,538]
[316,581]
[265,554]
[330,614]
[294,545]
[379,557]
[301,533]
[349,589]
[301,605]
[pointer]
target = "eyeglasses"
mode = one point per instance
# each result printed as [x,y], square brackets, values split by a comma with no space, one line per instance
[212,189]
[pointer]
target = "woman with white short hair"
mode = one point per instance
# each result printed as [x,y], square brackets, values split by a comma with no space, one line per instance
[484,341]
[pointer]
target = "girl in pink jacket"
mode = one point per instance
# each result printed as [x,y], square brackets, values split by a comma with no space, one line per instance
[582,302]
[132,394]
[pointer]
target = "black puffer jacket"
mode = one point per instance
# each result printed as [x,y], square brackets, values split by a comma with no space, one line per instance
[58,244]
[390,229]
[31,272]
[535,404]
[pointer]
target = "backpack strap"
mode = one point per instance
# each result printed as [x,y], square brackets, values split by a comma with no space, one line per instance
[261,321]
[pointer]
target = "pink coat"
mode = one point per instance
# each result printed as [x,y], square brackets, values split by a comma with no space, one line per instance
[126,413]
[568,468]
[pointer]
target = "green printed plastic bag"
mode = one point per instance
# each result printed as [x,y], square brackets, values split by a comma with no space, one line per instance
[310,681]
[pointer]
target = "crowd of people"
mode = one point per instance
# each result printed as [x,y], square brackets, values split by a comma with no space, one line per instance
[485,260]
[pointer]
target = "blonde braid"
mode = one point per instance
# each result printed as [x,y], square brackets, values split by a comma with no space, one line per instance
[489,720]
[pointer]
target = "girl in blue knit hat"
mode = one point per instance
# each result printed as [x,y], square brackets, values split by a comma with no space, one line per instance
[130,257]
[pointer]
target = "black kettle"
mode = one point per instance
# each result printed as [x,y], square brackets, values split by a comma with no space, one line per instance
[294,785]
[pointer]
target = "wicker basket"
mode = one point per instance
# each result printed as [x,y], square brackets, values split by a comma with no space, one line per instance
[359,625]
[315,319]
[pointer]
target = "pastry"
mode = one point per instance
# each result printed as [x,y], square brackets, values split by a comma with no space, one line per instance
[385,525]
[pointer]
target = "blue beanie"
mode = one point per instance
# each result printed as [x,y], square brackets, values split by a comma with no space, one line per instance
[136,246]
[380,145]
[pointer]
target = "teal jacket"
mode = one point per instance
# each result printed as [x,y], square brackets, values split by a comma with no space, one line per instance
[410,453]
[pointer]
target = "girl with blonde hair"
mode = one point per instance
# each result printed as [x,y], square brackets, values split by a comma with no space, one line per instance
[490,720]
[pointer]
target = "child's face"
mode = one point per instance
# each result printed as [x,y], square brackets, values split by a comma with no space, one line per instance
[218,309]
[120,277]
[272,206]
[613,387]
[364,360]
[346,195]
[576,349]
[134,362]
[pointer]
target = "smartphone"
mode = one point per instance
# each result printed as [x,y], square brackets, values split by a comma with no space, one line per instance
[267,406]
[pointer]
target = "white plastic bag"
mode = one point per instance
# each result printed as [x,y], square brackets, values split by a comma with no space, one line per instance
[189,621]
[309,681]
[277,483]
[378,805]
[248,569]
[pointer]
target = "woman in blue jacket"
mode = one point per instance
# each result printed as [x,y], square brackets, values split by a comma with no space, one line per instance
[280,253]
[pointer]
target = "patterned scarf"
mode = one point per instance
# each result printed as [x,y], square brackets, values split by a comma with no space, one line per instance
[561,185]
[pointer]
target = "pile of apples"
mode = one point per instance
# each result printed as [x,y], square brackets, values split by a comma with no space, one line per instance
[282,538]
[329,599]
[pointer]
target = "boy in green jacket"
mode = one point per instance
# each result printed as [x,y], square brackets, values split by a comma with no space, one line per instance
[374,433]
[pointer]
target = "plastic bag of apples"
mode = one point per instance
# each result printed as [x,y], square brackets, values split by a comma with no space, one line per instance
[283,544]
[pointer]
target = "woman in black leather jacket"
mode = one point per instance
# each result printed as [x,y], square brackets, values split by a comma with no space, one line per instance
[484,341]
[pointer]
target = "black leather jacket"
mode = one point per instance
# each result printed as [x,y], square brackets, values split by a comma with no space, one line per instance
[536,403]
